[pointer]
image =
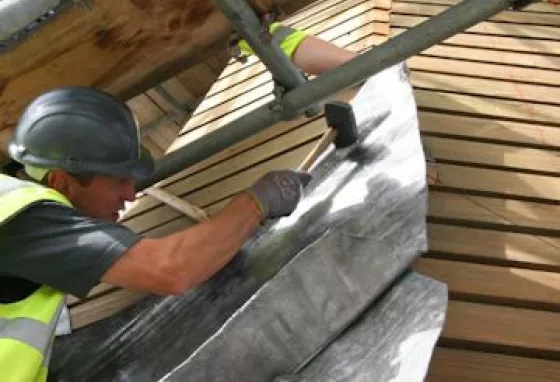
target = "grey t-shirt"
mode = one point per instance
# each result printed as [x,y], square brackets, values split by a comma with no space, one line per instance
[51,244]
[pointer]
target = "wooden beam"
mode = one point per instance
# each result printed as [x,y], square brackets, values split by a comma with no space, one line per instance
[486,87]
[498,155]
[540,6]
[505,16]
[512,58]
[487,106]
[504,328]
[513,74]
[469,366]
[494,247]
[488,283]
[487,28]
[478,209]
[494,129]
[102,307]
[124,47]
[496,182]
[540,46]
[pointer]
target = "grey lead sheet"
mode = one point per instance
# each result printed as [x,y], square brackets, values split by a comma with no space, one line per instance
[297,283]
[392,341]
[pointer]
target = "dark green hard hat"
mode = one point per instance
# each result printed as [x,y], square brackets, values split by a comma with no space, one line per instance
[80,130]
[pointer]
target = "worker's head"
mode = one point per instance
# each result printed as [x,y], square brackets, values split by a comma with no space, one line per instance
[83,143]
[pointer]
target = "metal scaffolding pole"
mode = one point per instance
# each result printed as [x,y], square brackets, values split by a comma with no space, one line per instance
[249,27]
[431,32]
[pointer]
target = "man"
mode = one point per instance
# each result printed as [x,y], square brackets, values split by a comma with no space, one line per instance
[59,235]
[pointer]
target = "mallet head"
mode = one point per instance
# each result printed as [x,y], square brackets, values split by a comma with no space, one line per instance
[340,116]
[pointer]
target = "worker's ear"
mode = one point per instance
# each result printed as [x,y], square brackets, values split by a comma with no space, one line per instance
[62,182]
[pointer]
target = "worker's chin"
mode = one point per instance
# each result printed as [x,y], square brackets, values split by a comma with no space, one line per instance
[114,217]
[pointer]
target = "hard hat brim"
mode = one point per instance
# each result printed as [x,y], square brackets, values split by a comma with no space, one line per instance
[141,168]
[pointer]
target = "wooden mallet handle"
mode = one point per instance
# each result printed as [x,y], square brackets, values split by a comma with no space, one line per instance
[327,138]
[342,131]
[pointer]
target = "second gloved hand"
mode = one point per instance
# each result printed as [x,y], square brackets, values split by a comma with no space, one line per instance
[278,192]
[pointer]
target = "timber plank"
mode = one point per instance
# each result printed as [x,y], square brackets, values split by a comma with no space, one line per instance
[486,87]
[503,183]
[504,16]
[347,11]
[494,154]
[493,71]
[487,128]
[494,247]
[512,59]
[541,6]
[323,8]
[179,91]
[499,43]
[469,366]
[504,327]
[102,307]
[479,209]
[487,28]
[487,283]
[98,289]
[485,106]
[220,189]
[238,163]
[198,78]
[320,8]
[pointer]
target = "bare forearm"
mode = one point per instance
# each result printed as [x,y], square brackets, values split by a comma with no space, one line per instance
[179,262]
[199,252]
[316,56]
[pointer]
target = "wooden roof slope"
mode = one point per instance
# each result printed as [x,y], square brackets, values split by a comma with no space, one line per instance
[489,108]
[489,114]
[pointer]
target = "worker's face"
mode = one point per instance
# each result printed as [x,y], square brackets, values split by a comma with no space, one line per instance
[101,198]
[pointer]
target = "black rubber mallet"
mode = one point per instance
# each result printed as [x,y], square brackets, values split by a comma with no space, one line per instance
[342,131]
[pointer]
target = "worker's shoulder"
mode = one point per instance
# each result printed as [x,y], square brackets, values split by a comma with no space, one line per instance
[44,212]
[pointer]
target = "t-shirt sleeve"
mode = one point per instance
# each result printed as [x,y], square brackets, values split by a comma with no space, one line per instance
[51,244]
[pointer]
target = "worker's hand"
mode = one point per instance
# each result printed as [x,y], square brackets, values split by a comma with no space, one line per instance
[278,192]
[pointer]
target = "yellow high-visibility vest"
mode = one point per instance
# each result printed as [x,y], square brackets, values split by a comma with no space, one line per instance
[27,327]
[288,39]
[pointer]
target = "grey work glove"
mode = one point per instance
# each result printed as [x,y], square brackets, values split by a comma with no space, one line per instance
[278,192]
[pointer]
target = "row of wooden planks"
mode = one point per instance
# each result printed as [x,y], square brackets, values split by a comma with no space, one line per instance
[489,115]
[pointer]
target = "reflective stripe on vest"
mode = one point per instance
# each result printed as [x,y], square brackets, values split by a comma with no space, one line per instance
[27,327]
